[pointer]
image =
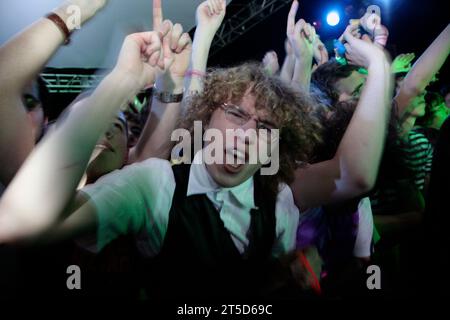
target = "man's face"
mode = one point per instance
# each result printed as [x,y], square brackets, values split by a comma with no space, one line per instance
[111,149]
[230,175]
[351,86]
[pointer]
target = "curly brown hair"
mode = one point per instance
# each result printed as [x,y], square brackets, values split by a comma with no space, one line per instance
[290,108]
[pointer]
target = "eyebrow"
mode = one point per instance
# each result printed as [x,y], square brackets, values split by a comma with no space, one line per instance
[119,124]
[267,122]
[264,121]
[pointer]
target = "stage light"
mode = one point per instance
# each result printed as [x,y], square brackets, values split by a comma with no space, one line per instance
[333,18]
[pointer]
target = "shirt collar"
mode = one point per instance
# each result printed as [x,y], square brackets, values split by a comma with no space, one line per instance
[201,182]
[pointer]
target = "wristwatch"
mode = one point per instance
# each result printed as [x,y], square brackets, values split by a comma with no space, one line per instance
[167,97]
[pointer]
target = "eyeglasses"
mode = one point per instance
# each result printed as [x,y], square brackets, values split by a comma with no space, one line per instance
[238,116]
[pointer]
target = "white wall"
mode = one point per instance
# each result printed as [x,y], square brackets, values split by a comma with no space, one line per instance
[97,43]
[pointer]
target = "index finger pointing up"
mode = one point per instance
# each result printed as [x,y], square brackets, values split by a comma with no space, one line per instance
[157,15]
[291,17]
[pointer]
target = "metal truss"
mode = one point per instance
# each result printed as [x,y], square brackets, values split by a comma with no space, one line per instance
[69,83]
[252,13]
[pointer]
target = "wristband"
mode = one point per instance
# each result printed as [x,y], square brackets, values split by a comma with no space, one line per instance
[197,73]
[61,25]
[167,97]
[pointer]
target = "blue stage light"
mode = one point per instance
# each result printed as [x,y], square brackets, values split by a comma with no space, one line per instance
[333,18]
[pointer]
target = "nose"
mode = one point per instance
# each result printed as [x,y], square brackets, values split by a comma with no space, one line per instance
[246,137]
[109,134]
[251,124]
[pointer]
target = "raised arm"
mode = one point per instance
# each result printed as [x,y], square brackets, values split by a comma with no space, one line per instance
[301,37]
[353,169]
[270,63]
[167,93]
[423,70]
[21,59]
[209,17]
[287,69]
[155,139]
[50,175]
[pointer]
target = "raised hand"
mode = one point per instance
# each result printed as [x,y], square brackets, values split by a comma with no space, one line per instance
[320,51]
[139,57]
[402,62]
[176,50]
[358,51]
[371,23]
[181,48]
[270,62]
[301,35]
[210,15]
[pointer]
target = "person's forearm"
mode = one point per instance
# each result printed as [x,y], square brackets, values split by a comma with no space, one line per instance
[57,164]
[302,73]
[360,150]
[199,59]
[424,69]
[155,138]
[24,56]
[21,59]
[287,70]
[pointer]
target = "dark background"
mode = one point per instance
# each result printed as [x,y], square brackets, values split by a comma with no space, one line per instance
[413,25]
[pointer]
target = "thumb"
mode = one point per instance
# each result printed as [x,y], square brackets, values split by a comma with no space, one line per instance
[348,36]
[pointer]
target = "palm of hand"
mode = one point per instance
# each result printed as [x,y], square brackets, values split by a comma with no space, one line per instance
[402,62]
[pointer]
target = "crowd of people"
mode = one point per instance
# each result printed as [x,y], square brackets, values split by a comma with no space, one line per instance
[139,184]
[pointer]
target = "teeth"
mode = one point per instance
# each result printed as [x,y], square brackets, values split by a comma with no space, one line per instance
[238,154]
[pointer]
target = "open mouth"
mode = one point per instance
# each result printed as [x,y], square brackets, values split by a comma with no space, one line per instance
[105,145]
[235,160]
[233,168]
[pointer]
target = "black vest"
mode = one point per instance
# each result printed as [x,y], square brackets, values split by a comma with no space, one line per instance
[198,257]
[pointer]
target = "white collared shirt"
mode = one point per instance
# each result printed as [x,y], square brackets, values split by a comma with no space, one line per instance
[138,198]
